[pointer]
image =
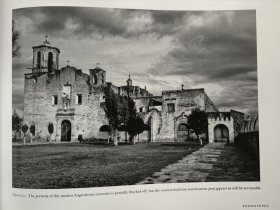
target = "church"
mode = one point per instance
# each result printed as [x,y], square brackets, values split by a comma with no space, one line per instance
[72,101]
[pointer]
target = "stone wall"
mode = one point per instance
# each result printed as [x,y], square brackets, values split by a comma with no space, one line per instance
[184,101]
[248,137]
[249,141]
[86,118]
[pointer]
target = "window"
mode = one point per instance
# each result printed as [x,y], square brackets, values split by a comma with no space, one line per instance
[50,61]
[54,100]
[38,59]
[94,79]
[103,80]
[141,109]
[170,107]
[79,99]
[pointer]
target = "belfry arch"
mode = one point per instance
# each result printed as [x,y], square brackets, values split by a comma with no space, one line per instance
[38,64]
[50,61]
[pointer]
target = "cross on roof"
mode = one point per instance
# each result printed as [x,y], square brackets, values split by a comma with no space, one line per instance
[46,36]
[68,61]
[97,64]
[182,87]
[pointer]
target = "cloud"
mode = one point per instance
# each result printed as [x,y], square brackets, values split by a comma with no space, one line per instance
[82,22]
[161,49]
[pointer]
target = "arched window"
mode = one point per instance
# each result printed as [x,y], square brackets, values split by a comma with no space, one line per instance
[50,61]
[104,128]
[38,59]
[183,127]
[103,80]
[94,79]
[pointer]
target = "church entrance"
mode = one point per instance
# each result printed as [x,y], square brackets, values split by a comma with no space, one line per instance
[65,130]
[182,132]
[221,133]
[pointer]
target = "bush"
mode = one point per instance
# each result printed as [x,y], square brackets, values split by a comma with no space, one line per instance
[80,138]
[32,129]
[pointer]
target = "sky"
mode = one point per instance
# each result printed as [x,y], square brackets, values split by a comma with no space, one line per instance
[214,50]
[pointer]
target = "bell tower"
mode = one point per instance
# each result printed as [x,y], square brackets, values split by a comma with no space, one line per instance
[45,58]
[97,76]
[129,81]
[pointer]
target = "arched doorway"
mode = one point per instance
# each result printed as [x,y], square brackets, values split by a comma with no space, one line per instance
[182,132]
[66,130]
[146,134]
[221,133]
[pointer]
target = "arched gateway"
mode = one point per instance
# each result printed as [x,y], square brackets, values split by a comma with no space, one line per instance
[221,133]
[66,130]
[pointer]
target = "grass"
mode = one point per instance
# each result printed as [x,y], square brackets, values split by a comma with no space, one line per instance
[83,165]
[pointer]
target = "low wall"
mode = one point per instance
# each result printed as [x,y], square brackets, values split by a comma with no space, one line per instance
[249,141]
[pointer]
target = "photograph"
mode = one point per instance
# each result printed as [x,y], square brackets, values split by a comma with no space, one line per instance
[113,97]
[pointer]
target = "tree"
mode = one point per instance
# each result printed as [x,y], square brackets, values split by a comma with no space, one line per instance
[198,121]
[15,46]
[131,117]
[50,129]
[119,110]
[24,129]
[16,124]
[135,126]
[114,110]
[32,129]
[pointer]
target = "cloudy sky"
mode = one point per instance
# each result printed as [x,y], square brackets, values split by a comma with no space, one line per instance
[215,50]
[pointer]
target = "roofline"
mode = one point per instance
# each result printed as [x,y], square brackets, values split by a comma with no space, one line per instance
[37,73]
[237,111]
[216,112]
[46,46]
[148,97]
[184,90]
[97,69]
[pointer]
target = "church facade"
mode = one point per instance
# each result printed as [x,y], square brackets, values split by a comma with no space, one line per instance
[72,101]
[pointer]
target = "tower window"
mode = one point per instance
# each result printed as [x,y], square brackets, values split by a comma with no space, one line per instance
[54,100]
[95,79]
[50,61]
[170,107]
[141,109]
[79,99]
[103,80]
[38,59]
